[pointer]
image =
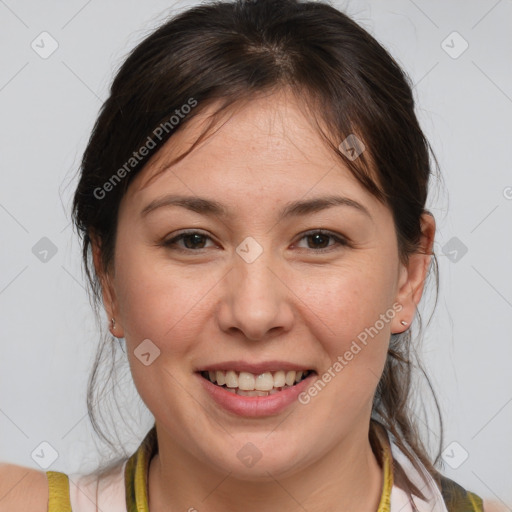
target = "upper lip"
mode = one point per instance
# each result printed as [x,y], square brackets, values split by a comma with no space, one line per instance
[256,368]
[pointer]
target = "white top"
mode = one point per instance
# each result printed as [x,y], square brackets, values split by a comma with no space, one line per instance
[109,494]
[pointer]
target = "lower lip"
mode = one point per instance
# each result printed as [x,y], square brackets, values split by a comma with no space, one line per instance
[255,406]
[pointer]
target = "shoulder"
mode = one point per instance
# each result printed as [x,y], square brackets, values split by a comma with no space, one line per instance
[494,506]
[23,488]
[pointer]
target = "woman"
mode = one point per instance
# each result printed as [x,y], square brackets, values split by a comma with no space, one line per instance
[253,198]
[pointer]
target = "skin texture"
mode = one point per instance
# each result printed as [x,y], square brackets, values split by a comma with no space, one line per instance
[23,488]
[293,303]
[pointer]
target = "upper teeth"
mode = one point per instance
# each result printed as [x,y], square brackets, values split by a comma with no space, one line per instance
[249,381]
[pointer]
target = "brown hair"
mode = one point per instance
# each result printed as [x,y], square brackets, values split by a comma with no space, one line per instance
[227,53]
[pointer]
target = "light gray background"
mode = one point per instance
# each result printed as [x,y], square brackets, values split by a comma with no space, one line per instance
[48,107]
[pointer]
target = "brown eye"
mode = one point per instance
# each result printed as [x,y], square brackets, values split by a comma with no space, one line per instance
[192,240]
[318,241]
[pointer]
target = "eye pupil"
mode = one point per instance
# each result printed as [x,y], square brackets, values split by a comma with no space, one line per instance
[194,237]
[319,235]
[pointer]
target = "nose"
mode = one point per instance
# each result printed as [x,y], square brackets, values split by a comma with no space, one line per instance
[256,299]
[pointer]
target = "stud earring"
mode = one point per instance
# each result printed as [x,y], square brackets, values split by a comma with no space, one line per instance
[403,322]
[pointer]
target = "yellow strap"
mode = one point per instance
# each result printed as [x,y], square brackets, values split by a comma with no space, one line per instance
[140,479]
[387,484]
[58,492]
[476,501]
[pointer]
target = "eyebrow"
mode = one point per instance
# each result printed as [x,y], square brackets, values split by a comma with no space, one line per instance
[211,207]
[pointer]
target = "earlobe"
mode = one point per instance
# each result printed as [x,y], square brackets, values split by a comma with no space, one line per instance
[414,273]
[107,290]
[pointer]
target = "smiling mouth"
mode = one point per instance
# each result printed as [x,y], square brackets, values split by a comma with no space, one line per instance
[250,384]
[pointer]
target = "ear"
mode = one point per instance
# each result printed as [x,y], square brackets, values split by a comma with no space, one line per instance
[413,275]
[107,288]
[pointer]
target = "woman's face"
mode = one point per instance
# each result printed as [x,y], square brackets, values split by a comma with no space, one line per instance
[256,290]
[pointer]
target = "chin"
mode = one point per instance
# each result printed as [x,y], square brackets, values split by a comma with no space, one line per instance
[257,460]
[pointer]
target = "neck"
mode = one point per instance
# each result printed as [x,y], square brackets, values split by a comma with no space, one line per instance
[345,479]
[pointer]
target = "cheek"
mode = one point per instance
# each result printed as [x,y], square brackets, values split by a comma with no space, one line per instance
[345,320]
[163,305]
[350,316]
[159,302]
[348,301]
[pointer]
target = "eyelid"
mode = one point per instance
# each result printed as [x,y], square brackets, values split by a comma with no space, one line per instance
[179,236]
[340,240]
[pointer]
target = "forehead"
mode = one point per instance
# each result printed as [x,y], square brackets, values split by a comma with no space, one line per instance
[270,128]
[266,144]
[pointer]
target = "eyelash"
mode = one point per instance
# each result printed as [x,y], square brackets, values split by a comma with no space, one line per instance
[338,239]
